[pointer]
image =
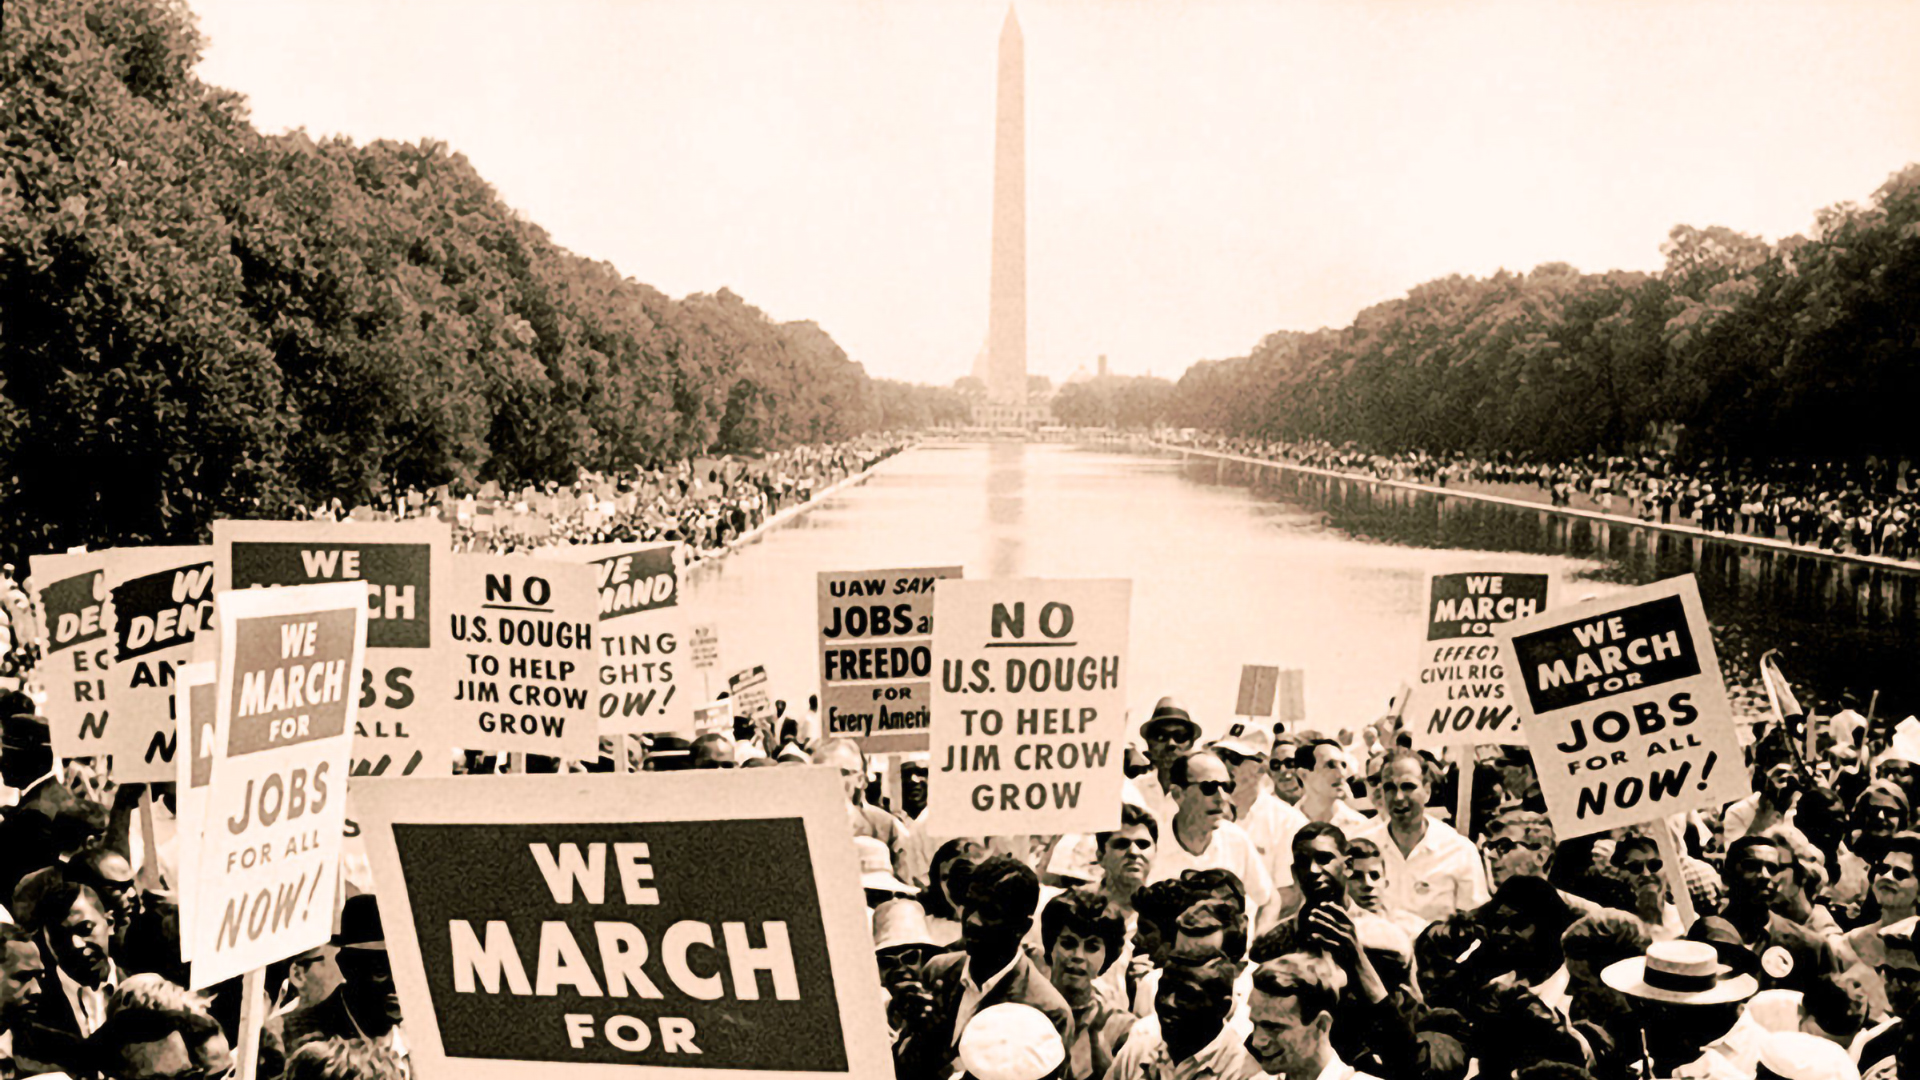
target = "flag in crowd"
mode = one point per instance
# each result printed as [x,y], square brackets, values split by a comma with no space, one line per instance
[377,794]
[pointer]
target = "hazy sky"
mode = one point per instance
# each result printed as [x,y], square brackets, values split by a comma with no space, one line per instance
[1199,174]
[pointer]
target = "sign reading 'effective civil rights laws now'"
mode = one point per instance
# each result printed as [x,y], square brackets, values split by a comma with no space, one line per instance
[1029,707]
[579,926]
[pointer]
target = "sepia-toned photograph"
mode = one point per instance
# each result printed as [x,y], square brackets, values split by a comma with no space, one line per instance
[1323,539]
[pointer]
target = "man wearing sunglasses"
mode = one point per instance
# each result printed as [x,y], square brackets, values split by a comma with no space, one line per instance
[1169,733]
[1269,822]
[1759,868]
[1202,837]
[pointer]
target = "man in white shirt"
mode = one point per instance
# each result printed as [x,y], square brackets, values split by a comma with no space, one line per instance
[1432,871]
[1324,770]
[1268,821]
[1203,839]
[1292,1010]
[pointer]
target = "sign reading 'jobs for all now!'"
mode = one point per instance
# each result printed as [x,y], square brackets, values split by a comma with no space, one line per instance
[1459,697]
[573,926]
[1624,708]
[1029,707]
[275,812]
[403,567]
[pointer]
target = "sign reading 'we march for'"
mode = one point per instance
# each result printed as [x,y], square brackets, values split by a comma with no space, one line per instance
[577,926]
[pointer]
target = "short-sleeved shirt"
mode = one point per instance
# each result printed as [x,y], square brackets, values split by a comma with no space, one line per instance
[1271,822]
[1441,875]
[1229,848]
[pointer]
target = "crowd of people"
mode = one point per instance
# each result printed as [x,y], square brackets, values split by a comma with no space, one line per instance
[1869,507]
[705,503]
[1275,902]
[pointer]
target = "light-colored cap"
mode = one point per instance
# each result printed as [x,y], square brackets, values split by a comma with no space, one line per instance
[900,922]
[1010,1041]
[1796,1055]
[1246,740]
[876,866]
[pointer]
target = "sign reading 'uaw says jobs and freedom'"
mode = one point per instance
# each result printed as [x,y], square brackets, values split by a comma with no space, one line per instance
[1459,697]
[876,655]
[1029,707]
[578,926]
[1624,708]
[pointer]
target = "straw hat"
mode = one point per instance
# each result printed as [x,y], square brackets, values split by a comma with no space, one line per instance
[1010,1041]
[1681,973]
[876,867]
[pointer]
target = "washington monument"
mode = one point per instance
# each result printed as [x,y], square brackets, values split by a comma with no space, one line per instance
[1007,306]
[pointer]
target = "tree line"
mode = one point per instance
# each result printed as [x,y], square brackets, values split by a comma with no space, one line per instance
[1808,348]
[198,320]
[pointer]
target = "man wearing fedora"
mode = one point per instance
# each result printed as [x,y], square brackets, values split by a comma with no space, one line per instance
[364,1007]
[1170,733]
[1689,1004]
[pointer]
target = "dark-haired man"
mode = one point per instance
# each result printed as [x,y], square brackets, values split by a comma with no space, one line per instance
[75,934]
[1759,867]
[989,969]
[1293,1010]
[1193,1039]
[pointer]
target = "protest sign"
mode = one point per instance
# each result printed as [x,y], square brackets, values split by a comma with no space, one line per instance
[198,735]
[690,924]
[71,590]
[713,716]
[526,671]
[876,655]
[402,566]
[159,599]
[1459,695]
[1258,685]
[1293,696]
[285,707]
[641,631]
[748,690]
[1029,707]
[704,649]
[1623,707]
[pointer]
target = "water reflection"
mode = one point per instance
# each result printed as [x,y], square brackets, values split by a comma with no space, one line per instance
[1847,627]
